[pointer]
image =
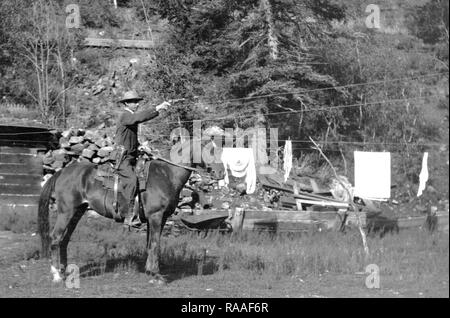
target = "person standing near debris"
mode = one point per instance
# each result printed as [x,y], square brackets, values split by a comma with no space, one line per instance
[127,137]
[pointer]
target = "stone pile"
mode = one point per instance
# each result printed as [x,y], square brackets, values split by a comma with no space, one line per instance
[78,145]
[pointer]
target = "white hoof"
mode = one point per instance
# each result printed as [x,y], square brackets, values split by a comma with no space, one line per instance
[56,275]
[157,282]
[57,280]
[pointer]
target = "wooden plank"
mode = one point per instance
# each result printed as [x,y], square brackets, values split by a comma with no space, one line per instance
[288,215]
[261,221]
[419,221]
[20,189]
[192,219]
[288,202]
[14,178]
[409,222]
[20,158]
[19,150]
[258,225]
[133,44]
[324,203]
[330,219]
[19,199]
[20,168]
[278,215]
[327,219]
[310,196]
[324,215]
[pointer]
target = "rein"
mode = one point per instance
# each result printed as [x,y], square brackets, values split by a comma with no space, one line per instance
[175,164]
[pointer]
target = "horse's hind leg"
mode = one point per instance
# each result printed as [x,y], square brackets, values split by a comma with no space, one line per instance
[62,220]
[154,228]
[66,222]
[67,234]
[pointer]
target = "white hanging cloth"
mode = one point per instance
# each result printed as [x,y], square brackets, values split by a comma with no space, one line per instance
[287,159]
[423,177]
[241,162]
[372,175]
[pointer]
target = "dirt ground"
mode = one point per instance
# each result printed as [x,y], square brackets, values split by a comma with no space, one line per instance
[31,278]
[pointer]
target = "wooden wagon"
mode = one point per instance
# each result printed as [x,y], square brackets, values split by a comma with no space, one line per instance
[307,221]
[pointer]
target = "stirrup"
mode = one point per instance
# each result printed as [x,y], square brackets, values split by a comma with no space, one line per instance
[119,219]
[133,222]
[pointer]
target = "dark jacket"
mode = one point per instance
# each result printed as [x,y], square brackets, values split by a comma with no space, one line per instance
[127,129]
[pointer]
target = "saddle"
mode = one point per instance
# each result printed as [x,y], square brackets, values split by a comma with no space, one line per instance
[108,174]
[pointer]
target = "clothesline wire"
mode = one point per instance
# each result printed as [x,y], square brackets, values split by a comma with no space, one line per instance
[367,104]
[328,150]
[344,142]
[357,143]
[329,88]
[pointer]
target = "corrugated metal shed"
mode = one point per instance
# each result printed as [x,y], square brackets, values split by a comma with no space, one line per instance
[21,149]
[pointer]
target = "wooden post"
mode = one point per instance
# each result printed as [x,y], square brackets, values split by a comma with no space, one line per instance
[297,201]
[221,262]
[237,220]
[201,262]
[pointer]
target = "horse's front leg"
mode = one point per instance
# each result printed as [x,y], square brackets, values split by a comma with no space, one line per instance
[154,228]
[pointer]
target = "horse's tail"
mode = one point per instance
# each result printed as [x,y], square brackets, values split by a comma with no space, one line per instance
[43,214]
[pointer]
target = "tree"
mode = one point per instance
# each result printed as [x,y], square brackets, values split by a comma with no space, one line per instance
[256,48]
[40,46]
[430,23]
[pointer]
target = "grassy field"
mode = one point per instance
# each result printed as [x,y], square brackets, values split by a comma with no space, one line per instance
[413,263]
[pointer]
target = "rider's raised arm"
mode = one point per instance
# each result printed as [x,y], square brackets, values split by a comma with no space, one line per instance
[129,119]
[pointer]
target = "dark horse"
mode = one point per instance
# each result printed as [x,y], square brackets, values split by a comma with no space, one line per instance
[75,189]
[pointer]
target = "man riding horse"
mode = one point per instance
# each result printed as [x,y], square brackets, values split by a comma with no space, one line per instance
[75,189]
[127,137]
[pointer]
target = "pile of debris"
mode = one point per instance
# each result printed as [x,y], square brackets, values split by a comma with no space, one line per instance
[299,203]
[272,193]
[78,145]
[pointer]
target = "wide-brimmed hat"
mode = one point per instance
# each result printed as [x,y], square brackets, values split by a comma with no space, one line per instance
[130,95]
